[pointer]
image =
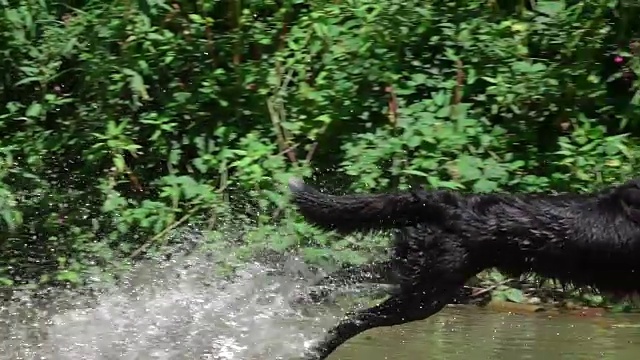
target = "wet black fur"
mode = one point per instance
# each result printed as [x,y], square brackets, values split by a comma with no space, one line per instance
[443,238]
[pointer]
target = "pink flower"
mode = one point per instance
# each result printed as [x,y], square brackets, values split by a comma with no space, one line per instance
[618,59]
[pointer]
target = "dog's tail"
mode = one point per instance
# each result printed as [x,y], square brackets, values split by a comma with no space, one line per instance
[350,213]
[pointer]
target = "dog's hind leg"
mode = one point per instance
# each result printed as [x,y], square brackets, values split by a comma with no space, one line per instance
[375,273]
[396,310]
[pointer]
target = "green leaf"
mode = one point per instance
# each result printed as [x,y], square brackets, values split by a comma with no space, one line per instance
[468,168]
[594,299]
[34,110]
[136,83]
[119,163]
[414,172]
[69,276]
[27,80]
[514,295]
[550,7]
[496,276]
[622,307]
[498,295]
[485,186]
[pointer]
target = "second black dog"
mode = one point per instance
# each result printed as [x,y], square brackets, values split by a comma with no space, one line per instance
[443,238]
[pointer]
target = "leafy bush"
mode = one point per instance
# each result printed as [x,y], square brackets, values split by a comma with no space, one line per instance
[122,121]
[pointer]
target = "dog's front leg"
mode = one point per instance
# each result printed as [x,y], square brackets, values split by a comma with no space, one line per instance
[396,310]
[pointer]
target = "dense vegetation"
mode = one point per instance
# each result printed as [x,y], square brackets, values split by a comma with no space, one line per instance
[121,121]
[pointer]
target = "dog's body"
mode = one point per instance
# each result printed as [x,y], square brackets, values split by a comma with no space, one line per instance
[444,238]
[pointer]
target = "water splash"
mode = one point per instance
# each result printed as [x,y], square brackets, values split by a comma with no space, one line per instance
[173,310]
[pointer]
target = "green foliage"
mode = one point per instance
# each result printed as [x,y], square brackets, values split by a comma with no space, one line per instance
[122,121]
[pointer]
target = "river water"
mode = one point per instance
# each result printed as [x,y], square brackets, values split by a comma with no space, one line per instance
[178,310]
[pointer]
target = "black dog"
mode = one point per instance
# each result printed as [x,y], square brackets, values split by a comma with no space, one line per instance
[444,238]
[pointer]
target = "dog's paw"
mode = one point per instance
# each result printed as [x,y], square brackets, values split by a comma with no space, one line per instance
[296,185]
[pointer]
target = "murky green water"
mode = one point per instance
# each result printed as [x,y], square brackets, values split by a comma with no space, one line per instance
[470,333]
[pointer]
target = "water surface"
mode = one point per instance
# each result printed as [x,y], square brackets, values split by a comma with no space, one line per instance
[470,333]
[182,311]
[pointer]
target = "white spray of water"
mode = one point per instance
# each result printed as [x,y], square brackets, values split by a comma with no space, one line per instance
[179,310]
